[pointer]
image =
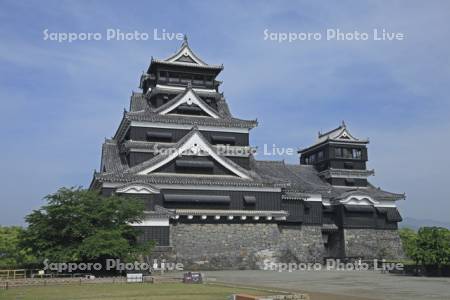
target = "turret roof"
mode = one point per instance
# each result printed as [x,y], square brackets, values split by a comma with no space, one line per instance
[340,134]
[185,57]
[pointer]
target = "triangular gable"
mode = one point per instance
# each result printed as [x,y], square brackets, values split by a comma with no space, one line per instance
[339,133]
[189,98]
[186,59]
[186,55]
[190,110]
[345,135]
[195,144]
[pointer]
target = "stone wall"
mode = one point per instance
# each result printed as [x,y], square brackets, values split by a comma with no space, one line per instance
[247,246]
[301,243]
[373,243]
[243,246]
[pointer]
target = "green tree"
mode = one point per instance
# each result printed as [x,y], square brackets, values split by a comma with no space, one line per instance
[11,256]
[409,242]
[81,225]
[433,246]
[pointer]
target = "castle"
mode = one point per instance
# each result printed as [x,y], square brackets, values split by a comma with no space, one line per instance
[211,205]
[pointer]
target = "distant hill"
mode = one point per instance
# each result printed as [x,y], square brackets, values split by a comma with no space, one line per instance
[417,223]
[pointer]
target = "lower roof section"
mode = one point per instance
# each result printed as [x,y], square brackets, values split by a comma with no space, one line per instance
[167,180]
[296,181]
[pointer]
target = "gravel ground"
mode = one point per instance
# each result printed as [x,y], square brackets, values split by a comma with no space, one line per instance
[338,284]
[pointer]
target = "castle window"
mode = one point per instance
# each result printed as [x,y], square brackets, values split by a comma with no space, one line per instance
[312,158]
[356,153]
[346,153]
[338,152]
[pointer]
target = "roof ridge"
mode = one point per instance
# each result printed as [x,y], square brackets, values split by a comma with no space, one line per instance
[331,131]
[185,45]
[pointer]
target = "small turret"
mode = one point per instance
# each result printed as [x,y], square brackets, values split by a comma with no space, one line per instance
[181,68]
[339,157]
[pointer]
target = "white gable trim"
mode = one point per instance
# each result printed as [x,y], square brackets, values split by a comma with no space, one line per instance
[137,189]
[195,144]
[345,135]
[359,200]
[186,52]
[190,98]
[189,126]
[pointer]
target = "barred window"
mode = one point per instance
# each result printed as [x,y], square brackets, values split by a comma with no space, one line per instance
[356,153]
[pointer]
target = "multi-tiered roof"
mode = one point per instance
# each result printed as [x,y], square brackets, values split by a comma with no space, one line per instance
[174,134]
[182,108]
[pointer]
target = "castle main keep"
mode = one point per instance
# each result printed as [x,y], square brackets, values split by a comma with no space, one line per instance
[211,205]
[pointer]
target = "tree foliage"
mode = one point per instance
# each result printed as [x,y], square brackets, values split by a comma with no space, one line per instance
[10,254]
[433,246]
[429,246]
[81,225]
[409,240]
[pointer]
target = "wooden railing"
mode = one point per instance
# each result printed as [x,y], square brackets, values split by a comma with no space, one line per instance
[12,274]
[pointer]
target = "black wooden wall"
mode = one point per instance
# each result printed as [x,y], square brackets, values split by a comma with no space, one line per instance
[141,133]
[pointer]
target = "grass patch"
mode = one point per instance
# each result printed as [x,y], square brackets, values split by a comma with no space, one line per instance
[163,291]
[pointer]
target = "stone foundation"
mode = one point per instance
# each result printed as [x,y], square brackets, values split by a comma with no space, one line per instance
[249,246]
[244,246]
[372,243]
[301,243]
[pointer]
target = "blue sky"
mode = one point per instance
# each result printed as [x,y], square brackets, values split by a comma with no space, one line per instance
[60,100]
